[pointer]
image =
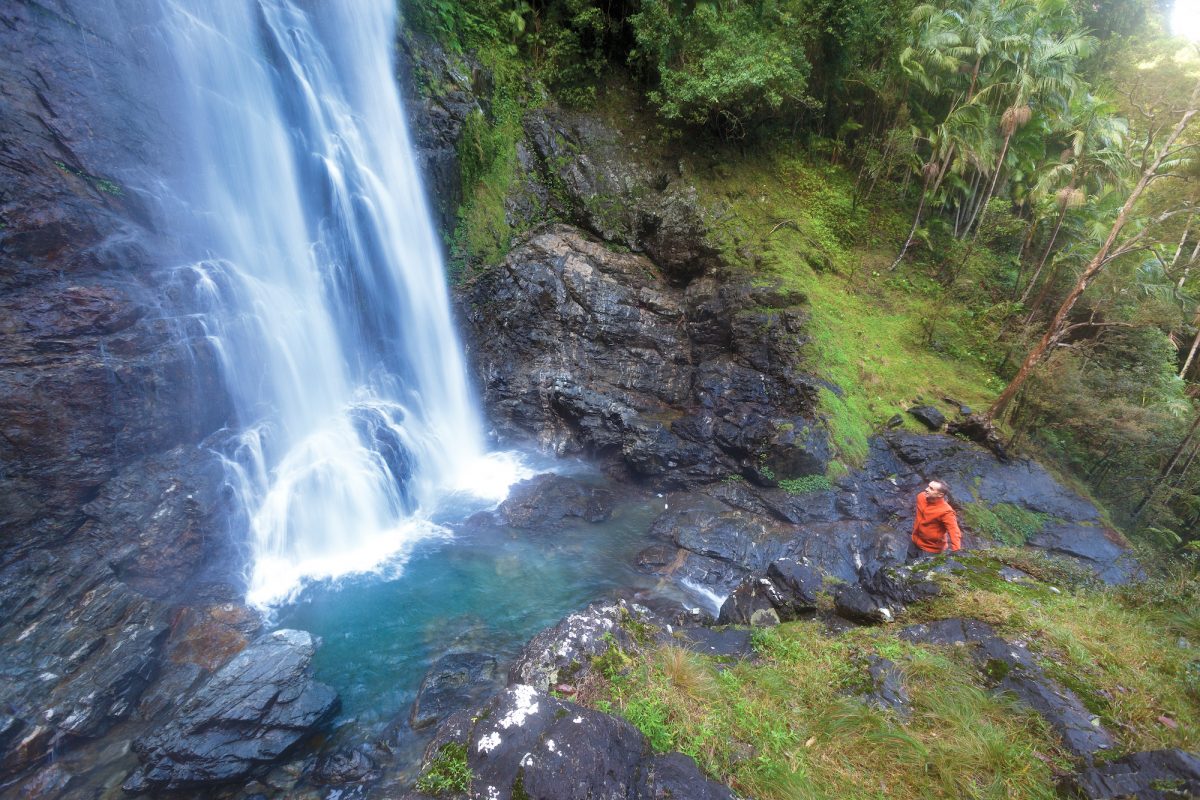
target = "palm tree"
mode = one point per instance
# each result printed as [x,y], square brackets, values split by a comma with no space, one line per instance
[1039,68]
[1094,159]
[951,44]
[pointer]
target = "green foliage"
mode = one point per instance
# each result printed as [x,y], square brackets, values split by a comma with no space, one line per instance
[805,484]
[637,627]
[649,715]
[101,184]
[726,64]
[790,212]
[568,42]
[448,773]
[464,25]
[1003,522]
[487,163]
[613,661]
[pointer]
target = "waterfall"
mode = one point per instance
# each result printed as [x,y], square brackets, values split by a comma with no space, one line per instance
[325,291]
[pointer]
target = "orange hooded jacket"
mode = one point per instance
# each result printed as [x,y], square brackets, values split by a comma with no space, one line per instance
[935,523]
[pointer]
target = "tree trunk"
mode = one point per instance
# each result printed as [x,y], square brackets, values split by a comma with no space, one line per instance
[981,211]
[1055,329]
[913,231]
[1168,469]
[1031,229]
[1062,215]
[1195,343]
[1182,241]
[1179,476]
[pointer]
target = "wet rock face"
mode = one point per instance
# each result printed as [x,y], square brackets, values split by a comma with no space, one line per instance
[523,743]
[586,350]
[93,379]
[440,91]
[1150,775]
[546,500]
[97,371]
[1074,527]
[252,711]
[615,188]
[79,649]
[83,634]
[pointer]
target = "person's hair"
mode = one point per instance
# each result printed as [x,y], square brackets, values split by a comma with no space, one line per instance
[945,486]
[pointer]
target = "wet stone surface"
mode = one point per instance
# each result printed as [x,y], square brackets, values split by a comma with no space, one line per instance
[452,683]
[525,743]
[251,712]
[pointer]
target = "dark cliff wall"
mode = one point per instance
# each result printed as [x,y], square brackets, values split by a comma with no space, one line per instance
[98,366]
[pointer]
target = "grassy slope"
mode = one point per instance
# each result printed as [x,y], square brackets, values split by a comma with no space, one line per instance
[871,329]
[789,724]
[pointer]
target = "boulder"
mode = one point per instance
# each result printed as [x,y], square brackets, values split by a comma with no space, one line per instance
[249,714]
[799,581]
[901,585]
[787,591]
[753,602]
[563,654]
[858,605]
[929,416]
[452,683]
[523,743]
[548,499]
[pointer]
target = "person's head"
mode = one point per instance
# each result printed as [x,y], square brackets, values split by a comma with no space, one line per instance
[935,490]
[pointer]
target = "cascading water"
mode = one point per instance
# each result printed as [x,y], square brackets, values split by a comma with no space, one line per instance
[340,352]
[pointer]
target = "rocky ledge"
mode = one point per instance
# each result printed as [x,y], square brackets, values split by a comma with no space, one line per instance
[523,743]
[590,351]
[251,712]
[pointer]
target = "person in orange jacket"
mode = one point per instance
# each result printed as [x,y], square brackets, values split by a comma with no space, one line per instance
[935,528]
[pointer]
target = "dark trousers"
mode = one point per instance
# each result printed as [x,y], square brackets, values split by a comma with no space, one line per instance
[916,554]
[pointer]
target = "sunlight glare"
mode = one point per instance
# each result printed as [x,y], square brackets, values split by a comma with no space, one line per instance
[1185,19]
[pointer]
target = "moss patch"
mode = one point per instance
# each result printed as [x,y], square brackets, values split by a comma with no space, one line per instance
[870,333]
[1003,522]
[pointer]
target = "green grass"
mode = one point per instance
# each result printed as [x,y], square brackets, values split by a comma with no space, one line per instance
[1003,522]
[786,727]
[874,334]
[789,725]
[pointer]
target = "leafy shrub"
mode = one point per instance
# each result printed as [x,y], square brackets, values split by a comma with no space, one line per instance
[448,773]
[723,65]
[648,714]
[805,484]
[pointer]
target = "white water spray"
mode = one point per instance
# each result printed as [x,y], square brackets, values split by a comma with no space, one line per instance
[340,352]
